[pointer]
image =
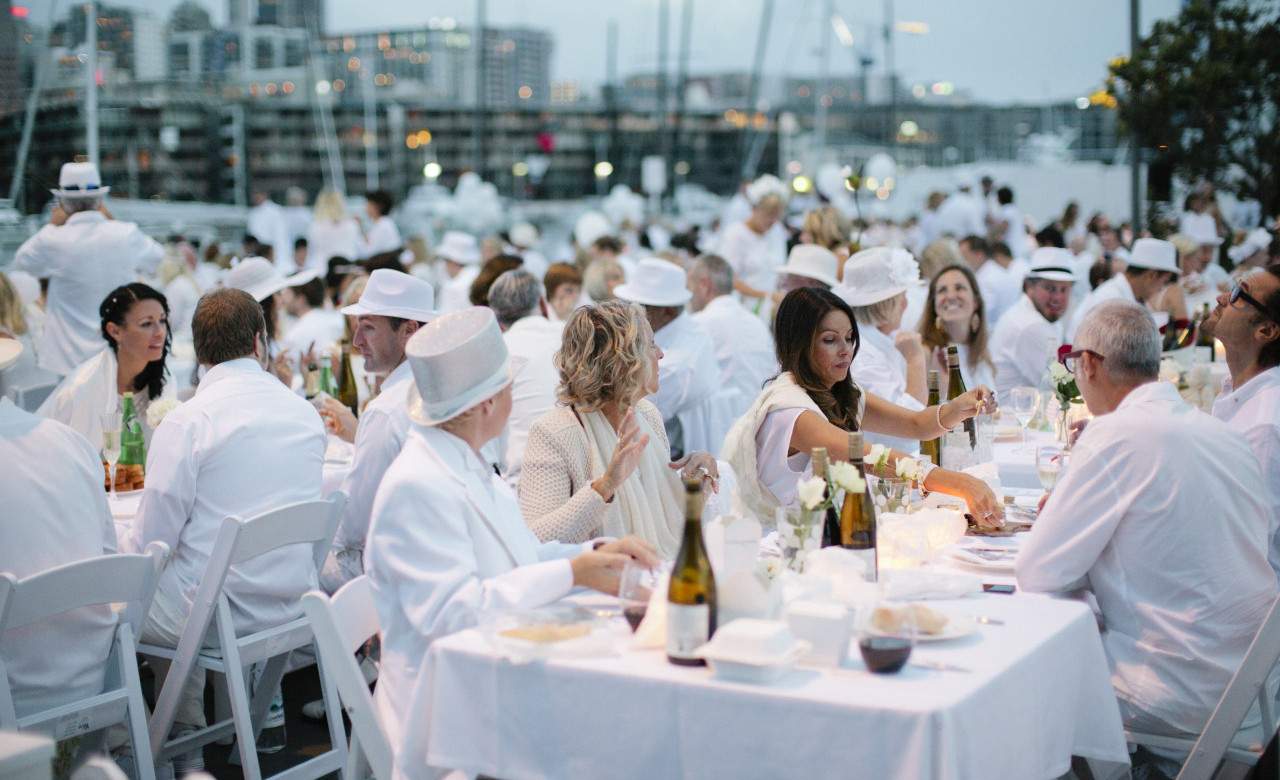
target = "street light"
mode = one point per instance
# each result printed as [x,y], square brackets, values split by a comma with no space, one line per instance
[431,170]
[603,169]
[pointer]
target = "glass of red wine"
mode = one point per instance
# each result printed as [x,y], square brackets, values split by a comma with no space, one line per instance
[886,635]
[635,586]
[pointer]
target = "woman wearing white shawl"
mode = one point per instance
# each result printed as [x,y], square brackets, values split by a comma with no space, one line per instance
[597,464]
[815,403]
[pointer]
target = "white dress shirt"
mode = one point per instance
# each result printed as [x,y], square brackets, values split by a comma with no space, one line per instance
[1023,345]
[244,444]
[267,223]
[383,236]
[881,369]
[1015,232]
[744,348]
[326,240]
[1160,515]
[689,383]
[320,329]
[455,293]
[532,343]
[1253,411]
[1117,288]
[55,512]
[961,215]
[755,258]
[84,260]
[1001,287]
[441,552]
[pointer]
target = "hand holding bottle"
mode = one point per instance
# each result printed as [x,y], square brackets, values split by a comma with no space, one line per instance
[979,400]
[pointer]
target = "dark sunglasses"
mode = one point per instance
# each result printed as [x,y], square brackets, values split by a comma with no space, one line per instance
[1238,294]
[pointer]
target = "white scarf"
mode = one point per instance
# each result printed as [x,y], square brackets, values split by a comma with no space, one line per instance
[647,503]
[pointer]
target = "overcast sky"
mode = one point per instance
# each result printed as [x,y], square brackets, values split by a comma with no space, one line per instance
[999,50]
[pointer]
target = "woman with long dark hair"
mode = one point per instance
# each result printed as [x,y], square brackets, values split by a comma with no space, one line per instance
[135,325]
[814,402]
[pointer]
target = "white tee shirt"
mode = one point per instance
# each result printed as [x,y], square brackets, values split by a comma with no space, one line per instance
[1253,411]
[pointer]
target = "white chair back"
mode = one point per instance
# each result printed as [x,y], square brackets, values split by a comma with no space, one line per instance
[342,624]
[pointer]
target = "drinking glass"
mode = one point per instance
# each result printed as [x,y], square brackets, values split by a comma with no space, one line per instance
[1049,464]
[111,445]
[1023,401]
[886,635]
[635,586]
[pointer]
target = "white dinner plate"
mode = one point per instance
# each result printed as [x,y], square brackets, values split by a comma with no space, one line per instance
[957,626]
[987,560]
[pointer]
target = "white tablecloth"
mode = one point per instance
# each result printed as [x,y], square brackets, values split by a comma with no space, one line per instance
[1017,461]
[1039,692]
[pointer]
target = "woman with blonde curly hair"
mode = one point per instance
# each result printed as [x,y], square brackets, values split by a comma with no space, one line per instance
[597,463]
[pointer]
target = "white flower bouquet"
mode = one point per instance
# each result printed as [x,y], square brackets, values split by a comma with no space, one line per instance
[158,409]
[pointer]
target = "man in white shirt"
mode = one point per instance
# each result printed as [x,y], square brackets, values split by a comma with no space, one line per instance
[744,346]
[532,341]
[393,306]
[444,550]
[1161,516]
[55,513]
[1000,281]
[460,253]
[962,213]
[268,224]
[85,254]
[1152,266]
[1027,337]
[697,416]
[243,445]
[1248,325]
[1007,223]
[314,328]
[383,235]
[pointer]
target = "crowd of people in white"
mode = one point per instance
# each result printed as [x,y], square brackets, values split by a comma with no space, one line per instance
[523,425]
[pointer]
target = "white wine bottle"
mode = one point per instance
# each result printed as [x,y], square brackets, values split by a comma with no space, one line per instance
[858,514]
[932,449]
[691,594]
[956,388]
[830,523]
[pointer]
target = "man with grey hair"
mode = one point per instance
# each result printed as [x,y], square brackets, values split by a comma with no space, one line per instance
[532,340]
[85,254]
[744,348]
[1161,517]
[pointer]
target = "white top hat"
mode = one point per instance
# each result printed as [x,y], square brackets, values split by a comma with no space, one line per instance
[523,235]
[1257,240]
[877,274]
[80,180]
[1052,264]
[812,262]
[589,227]
[258,277]
[461,248]
[1156,254]
[655,283]
[458,360]
[10,351]
[391,293]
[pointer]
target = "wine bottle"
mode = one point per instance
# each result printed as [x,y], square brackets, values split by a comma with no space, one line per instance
[858,514]
[691,594]
[932,449]
[830,523]
[1204,334]
[131,468]
[348,394]
[327,385]
[311,380]
[956,388]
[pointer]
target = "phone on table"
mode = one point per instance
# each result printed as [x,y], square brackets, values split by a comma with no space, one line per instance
[991,587]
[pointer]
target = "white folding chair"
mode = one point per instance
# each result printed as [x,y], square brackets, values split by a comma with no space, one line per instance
[29,397]
[342,624]
[307,522]
[107,579]
[1213,748]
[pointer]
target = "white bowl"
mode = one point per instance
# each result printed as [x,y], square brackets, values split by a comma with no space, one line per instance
[752,669]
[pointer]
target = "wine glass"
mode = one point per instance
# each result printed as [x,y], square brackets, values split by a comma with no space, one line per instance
[886,635]
[1022,401]
[635,586]
[111,445]
[1049,464]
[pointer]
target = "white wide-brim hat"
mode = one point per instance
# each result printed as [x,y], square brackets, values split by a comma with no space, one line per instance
[258,277]
[458,360]
[1258,240]
[812,262]
[390,293]
[655,283]
[461,248]
[1052,264]
[1156,254]
[10,351]
[80,180]
[877,274]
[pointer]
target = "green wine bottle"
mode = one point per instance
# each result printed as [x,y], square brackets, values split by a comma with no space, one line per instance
[932,449]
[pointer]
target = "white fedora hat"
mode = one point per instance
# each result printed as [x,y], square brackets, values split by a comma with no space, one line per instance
[655,283]
[1156,254]
[461,248]
[877,274]
[812,262]
[458,360]
[80,180]
[10,351]
[1052,264]
[390,293]
[523,235]
[1201,228]
[259,277]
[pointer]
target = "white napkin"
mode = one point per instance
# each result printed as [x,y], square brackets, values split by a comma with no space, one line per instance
[652,631]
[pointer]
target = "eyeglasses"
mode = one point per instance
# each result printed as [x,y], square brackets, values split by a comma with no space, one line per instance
[1238,294]
[1071,356]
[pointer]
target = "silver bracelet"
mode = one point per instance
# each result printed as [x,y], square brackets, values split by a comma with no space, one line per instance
[944,428]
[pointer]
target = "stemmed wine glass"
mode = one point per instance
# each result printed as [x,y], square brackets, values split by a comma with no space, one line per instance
[635,586]
[111,445]
[1023,401]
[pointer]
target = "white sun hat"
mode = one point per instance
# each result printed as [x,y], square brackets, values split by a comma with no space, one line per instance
[812,262]
[458,360]
[1052,264]
[1257,240]
[10,351]
[523,235]
[655,283]
[259,277]
[390,293]
[80,180]
[1156,254]
[461,248]
[877,274]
